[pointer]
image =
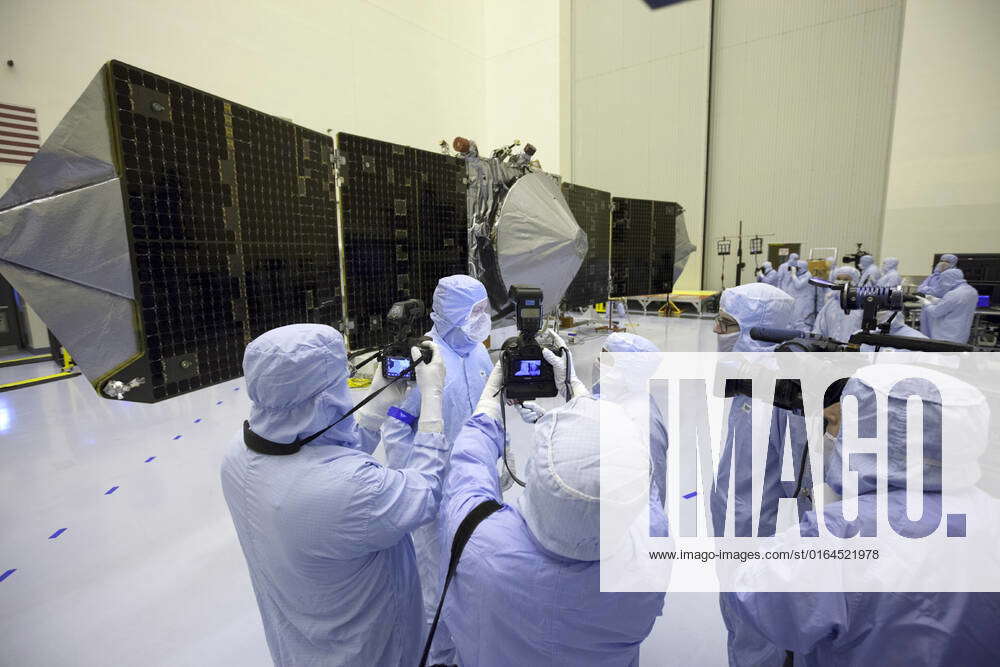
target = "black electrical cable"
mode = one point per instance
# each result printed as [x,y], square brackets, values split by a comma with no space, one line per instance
[506,464]
[802,470]
[503,414]
[369,359]
[569,372]
[503,419]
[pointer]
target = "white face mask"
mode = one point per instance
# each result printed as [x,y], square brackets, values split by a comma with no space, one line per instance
[478,324]
[725,342]
[942,266]
[478,327]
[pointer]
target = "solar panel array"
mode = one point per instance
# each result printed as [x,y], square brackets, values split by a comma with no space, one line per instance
[643,233]
[592,210]
[232,222]
[231,219]
[663,246]
[404,219]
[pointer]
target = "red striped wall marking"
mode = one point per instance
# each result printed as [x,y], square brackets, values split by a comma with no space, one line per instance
[32,128]
[19,135]
[8,133]
[22,144]
[11,107]
[18,117]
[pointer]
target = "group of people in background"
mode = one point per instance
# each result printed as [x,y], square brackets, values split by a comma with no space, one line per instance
[948,302]
[836,628]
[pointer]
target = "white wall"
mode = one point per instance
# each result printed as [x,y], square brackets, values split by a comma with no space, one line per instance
[944,173]
[404,71]
[522,75]
[639,88]
[802,105]
[407,71]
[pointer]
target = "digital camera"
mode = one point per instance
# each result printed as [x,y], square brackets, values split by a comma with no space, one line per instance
[396,359]
[527,375]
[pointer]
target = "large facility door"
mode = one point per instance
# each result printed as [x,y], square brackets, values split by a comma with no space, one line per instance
[778,253]
[10,323]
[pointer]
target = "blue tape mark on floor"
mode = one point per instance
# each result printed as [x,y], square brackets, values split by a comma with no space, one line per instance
[198,420]
[7,574]
[691,495]
[57,533]
[219,403]
[149,459]
[236,388]
[177,437]
[111,490]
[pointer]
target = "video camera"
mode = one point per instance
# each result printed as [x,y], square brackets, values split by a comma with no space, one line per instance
[855,259]
[869,300]
[403,318]
[526,373]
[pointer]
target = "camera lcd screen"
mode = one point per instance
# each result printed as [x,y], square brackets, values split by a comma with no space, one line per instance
[531,312]
[529,368]
[396,366]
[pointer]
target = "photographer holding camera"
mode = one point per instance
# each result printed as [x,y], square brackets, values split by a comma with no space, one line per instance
[870,274]
[786,270]
[767,274]
[323,525]
[527,588]
[947,314]
[461,316]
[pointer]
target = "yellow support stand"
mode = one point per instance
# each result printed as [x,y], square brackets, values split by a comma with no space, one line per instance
[67,360]
[66,372]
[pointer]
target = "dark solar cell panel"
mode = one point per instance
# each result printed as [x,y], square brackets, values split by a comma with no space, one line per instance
[404,218]
[231,217]
[643,240]
[592,210]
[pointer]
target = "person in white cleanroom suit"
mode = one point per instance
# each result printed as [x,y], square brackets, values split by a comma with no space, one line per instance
[627,385]
[798,287]
[528,585]
[767,274]
[461,316]
[740,309]
[890,274]
[880,628]
[831,321]
[929,284]
[325,529]
[792,259]
[948,314]
[786,269]
[869,271]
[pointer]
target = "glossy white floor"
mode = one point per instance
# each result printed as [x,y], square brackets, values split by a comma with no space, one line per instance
[117,547]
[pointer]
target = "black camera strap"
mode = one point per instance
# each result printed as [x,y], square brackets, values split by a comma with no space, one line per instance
[262,445]
[369,359]
[462,535]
